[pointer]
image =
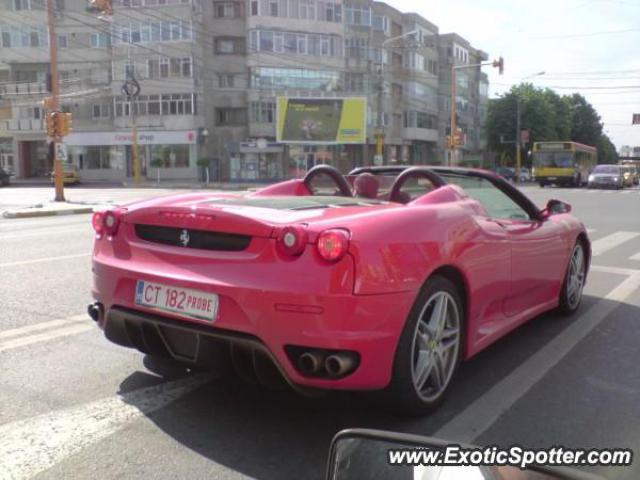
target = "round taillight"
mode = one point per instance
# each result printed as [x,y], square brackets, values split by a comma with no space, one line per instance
[292,240]
[97,222]
[110,222]
[333,244]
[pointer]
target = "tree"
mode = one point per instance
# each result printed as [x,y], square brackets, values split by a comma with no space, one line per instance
[548,117]
[585,121]
[606,150]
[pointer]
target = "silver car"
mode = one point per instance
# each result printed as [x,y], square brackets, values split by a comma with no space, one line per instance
[606,176]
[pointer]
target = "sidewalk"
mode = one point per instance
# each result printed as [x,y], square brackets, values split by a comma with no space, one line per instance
[50,209]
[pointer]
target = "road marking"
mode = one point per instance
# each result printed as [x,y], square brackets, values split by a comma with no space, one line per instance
[47,259]
[614,270]
[16,332]
[487,409]
[43,337]
[591,230]
[56,231]
[29,447]
[611,241]
[635,257]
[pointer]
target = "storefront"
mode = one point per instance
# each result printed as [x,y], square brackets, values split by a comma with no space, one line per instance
[108,155]
[258,161]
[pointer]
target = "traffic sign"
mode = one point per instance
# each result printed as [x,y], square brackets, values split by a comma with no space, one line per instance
[61,152]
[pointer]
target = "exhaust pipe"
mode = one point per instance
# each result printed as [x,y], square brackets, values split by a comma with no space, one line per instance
[340,364]
[95,310]
[310,363]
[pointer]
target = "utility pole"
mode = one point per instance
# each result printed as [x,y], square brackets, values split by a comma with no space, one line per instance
[453,133]
[518,140]
[131,89]
[380,134]
[454,139]
[53,104]
[518,128]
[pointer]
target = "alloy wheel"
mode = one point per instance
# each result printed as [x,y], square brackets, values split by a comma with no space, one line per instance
[575,277]
[436,344]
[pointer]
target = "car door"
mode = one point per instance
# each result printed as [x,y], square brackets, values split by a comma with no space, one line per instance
[537,251]
[538,258]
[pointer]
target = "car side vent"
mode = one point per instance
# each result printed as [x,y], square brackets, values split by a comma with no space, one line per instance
[187,238]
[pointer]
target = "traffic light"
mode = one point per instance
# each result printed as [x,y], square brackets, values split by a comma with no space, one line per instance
[65,123]
[103,5]
[499,64]
[52,124]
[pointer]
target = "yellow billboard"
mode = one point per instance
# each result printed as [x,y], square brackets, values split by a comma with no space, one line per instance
[321,120]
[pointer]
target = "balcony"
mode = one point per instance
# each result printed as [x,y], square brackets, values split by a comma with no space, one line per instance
[24,125]
[420,134]
[27,88]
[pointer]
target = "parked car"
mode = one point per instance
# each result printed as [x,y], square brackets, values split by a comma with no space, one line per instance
[606,176]
[630,175]
[506,172]
[5,177]
[524,175]
[70,174]
[385,279]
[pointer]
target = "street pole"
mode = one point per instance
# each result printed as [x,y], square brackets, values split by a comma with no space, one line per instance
[518,140]
[452,141]
[518,128]
[54,103]
[380,135]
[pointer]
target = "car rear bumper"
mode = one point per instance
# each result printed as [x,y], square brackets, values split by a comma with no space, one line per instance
[263,320]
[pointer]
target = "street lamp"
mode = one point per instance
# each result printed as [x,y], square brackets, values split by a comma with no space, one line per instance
[380,134]
[453,137]
[518,133]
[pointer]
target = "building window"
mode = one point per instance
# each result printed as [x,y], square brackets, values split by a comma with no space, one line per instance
[381,24]
[172,104]
[254,7]
[171,156]
[296,43]
[28,5]
[99,40]
[227,9]
[151,32]
[415,119]
[97,158]
[62,41]
[268,78]
[262,112]
[226,80]
[101,110]
[360,17]
[231,116]
[229,45]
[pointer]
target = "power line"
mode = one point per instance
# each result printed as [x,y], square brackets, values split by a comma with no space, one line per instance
[589,34]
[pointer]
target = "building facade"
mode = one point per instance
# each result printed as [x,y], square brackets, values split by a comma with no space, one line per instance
[209,75]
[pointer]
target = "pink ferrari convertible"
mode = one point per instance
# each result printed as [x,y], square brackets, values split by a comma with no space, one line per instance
[384,279]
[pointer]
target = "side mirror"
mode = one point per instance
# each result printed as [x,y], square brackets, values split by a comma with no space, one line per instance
[554,207]
[378,455]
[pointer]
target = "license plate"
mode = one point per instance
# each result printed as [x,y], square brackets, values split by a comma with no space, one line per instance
[183,301]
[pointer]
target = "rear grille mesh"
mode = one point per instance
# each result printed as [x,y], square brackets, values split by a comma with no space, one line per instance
[202,239]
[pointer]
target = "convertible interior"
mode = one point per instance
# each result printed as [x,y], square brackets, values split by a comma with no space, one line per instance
[404,184]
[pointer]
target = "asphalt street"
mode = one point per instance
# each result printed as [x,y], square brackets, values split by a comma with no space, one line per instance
[73,405]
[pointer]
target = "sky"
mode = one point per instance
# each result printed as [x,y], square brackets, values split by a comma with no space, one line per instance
[585,46]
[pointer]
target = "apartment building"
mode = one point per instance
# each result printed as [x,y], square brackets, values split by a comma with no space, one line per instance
[209,75]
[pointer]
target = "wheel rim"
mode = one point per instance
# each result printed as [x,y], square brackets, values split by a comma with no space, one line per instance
[575,277]
[436,342]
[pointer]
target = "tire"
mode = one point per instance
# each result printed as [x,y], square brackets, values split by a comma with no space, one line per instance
[437,361]
[571,293]
[542,184]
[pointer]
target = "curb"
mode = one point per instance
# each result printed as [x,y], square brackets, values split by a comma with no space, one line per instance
[46,213]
